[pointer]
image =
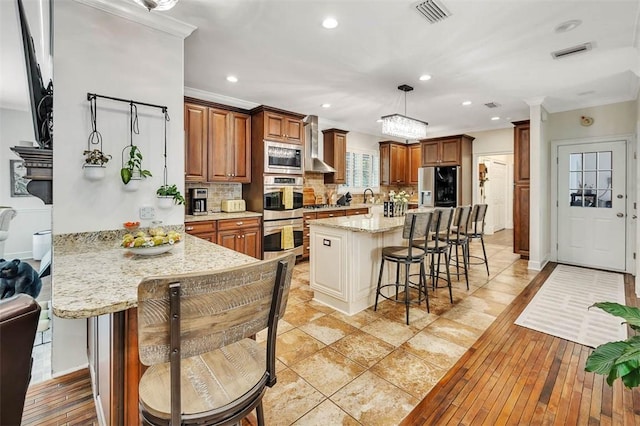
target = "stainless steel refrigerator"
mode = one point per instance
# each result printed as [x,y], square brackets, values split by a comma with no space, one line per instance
[438,186]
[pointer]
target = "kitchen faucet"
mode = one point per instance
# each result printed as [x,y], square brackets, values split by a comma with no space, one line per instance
[365,194]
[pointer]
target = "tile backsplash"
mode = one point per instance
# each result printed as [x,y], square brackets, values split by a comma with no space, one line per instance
[216,193]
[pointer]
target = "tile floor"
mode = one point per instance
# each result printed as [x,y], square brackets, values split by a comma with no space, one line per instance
[371,368]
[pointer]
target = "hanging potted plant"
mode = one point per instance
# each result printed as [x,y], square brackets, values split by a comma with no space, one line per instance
[95,159]
[168,196]
[132,172]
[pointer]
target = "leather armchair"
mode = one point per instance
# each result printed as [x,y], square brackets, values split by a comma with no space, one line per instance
[18,322]
[6,214]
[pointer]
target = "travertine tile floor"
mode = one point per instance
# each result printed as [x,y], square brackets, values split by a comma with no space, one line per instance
[371,368]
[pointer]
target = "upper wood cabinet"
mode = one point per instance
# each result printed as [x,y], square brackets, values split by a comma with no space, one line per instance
[335,154]
[414,162]
[445,151]
[282,127]
[195,142]
[217,144]
[521,151]
[393,159]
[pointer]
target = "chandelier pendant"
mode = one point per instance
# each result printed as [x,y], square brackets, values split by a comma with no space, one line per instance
[401,126]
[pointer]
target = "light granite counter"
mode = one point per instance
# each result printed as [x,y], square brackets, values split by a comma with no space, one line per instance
[220,216]
[93,275]
[335,208]
[372,223]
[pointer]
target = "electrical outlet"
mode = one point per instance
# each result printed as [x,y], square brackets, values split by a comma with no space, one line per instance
[147,212]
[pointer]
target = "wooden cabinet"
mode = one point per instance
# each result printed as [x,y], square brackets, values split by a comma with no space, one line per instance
[521,183]
[229,152]
[393,158]
[195,142]
[353,212]
[217,143]
[280,125]
[414,162]
[445,151]
[335,154]
[305,235]
[242,235]
[207,230]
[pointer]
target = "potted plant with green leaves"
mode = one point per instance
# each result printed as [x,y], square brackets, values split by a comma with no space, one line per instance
[94,164]
[169,195]
[618,360]
[132,171]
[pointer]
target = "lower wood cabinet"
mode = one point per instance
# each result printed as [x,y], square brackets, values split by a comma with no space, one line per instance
[242,235]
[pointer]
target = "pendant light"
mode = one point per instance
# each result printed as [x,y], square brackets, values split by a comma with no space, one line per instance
[401,126]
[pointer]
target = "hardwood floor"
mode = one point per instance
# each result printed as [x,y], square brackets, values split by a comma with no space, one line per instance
[513,375]
[65,400]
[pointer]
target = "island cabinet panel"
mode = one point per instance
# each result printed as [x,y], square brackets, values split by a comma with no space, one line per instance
[521,184]
[335,154]
[328,250]
[195,134]
[217,143]
[414,162]
[393,158]
[283,127]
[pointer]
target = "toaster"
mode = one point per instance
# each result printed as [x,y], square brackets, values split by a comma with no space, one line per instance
[233,206]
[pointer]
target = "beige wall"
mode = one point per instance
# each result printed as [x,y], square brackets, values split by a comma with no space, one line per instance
[608,120]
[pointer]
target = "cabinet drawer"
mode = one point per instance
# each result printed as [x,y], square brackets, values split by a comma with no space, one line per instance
[200,227]
[230,224]
[354,212]
[308,216]
[335,213]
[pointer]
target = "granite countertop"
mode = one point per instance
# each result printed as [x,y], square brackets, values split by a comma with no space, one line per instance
[372,223]
[220,216]
[93,275]
[333,208]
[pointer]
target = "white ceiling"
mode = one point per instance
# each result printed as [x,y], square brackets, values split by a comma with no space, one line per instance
[486,51]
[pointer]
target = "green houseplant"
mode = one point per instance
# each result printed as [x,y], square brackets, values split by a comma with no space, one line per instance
[170,192]
[618,360]
[132,169]
[94,164]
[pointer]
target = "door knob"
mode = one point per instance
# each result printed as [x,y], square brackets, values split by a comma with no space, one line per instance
[620,214]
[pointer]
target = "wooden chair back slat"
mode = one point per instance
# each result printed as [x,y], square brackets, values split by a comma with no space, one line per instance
[217,308]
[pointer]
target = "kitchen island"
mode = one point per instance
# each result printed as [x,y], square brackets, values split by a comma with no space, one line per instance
[345,258]
[96,279]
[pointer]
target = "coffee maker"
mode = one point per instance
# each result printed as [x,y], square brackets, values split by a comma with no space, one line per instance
[198,203]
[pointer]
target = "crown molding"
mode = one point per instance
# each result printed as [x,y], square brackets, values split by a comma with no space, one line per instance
[220,99]
[133,12]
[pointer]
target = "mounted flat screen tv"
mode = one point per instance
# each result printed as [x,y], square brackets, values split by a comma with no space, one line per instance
[40,97]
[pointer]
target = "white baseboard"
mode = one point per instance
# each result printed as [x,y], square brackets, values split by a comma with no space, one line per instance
[22,255]
[69,371]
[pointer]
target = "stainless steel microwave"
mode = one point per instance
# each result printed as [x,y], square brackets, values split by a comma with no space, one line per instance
[283,158]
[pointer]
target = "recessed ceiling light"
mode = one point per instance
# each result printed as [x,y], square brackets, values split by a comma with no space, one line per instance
[326,105]
[232,78]
[495,118]
[329,23]
[567,26]
[466,103]
[425,77]
[379,120]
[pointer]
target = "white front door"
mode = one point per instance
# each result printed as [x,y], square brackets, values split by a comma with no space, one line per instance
[592,205]
[498,195]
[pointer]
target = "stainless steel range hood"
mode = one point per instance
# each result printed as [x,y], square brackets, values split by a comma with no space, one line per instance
[312,162]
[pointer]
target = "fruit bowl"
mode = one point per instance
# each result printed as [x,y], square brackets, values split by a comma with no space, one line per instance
[151,251]
[147,244]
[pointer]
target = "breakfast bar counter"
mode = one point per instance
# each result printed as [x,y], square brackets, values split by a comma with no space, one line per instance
[96,279]
[345,258]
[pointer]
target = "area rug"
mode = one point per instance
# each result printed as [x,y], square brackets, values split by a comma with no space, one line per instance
[560,308]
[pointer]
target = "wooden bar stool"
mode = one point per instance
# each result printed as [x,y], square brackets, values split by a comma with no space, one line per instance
[416,226]
[194,334]
[475,230]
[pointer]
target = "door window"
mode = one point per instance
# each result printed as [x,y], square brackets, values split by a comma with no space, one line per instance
[590,176]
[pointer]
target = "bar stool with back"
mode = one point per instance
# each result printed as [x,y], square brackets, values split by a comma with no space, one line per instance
[475,229]
[437,244]
[194,334]
[458,239]
[416,226]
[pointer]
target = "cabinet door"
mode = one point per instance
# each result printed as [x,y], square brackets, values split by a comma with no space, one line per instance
[240,148]
[521,153]
[385,164]
[195,140]
[430,153]
[274,126]
[450,152]
[219,136]
[397,167]
[251,241]
[335,153]
[293,130]
[413,163]
[521,219]
[229,239]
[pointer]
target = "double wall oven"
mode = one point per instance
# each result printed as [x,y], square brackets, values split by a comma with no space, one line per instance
[282,215]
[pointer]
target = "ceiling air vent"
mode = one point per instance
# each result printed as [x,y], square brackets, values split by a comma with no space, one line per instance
[433,11]
[558,54]
[492,105]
